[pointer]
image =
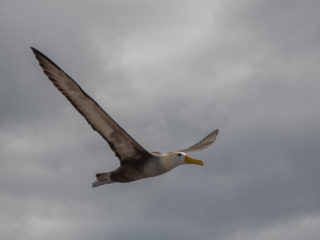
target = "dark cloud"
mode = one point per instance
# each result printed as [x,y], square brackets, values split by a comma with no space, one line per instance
[168,72]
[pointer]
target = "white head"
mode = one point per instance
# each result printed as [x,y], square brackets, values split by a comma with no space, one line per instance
[174,159]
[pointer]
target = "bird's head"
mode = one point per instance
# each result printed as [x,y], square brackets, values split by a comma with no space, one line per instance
[175,159]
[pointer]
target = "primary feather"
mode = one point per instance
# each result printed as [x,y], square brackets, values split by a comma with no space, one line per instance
[204,143]
[124,146]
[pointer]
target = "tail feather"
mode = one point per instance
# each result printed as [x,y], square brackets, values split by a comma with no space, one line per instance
[102,178]
[99,183]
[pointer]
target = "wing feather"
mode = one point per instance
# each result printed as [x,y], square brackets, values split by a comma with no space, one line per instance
[204,143]
[124,146]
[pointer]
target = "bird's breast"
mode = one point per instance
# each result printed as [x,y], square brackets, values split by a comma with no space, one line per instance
[138,170]
[153,168]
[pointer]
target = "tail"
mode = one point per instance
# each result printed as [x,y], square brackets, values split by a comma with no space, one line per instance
[102,178]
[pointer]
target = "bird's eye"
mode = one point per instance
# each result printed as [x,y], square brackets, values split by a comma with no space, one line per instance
[179,154]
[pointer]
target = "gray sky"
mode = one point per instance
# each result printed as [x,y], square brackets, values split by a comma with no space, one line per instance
[169,72]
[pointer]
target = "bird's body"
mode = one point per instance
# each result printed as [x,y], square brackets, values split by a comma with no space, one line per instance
[135,162]
[156,165]
[136,170]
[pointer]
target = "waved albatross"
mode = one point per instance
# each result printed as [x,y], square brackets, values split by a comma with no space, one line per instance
[135,161]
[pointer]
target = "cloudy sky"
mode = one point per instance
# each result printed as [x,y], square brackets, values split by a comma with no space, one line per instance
[169,72]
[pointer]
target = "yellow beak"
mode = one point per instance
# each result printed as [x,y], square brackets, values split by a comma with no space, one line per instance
[190,160]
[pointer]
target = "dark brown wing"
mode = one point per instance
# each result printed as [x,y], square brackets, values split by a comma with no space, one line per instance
[204,143]
[124,146]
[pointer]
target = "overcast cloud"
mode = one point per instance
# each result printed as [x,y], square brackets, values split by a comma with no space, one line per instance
[169,72]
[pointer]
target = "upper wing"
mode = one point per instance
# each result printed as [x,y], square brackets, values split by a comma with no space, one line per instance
[124,146]
[204,143]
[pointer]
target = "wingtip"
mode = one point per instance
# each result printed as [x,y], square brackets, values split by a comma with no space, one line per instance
[34,50]
[216,132]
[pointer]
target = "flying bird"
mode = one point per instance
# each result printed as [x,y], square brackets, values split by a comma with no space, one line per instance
[135,162]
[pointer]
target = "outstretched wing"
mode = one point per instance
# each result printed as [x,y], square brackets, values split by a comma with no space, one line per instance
[204,143]
[124,146]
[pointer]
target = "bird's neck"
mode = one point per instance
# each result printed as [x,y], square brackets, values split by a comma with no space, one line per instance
[167,162]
